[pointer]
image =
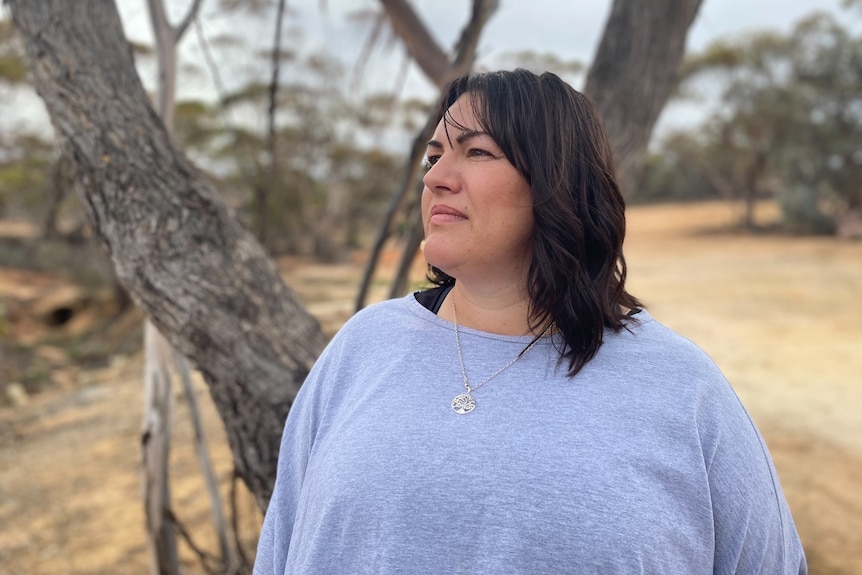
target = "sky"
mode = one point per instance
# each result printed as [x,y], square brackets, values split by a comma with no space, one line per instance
[569,29]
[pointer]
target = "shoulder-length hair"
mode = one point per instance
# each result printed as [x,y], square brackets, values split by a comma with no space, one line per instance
[554,137]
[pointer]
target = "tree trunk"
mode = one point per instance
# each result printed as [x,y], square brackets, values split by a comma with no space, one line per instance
[633,74]
[753,176]
[155,446]
[411,249]
[156,432]
[203,279]
[409,180]
[264,192]
[201,448]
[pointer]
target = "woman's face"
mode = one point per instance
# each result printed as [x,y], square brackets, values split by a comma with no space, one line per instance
[476,207]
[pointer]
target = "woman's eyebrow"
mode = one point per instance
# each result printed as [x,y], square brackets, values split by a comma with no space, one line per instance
[461,138]
[469,134]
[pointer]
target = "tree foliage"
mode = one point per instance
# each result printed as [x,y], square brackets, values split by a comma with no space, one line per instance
[13,66]
[326,141]
[788,125]
[26,163]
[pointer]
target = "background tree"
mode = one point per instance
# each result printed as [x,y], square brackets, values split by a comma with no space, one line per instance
[634,73]
[788,127]
[27,160]
[326,139]
[570,71]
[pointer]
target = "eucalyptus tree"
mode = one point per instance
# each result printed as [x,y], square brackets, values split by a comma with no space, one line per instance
[329,153]
[789,124]
[824,160]
[635,70]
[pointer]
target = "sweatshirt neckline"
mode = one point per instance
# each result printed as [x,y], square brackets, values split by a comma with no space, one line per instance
[427,315]
[423,313]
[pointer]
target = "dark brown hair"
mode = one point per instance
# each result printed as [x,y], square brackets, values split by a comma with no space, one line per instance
[553,136]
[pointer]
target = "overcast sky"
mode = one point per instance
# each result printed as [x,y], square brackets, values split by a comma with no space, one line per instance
[575,27]
[565,27]
[569,29]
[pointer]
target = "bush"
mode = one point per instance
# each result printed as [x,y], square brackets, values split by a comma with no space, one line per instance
[801,210]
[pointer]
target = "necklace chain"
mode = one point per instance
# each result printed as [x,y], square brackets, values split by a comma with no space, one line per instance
[465,403]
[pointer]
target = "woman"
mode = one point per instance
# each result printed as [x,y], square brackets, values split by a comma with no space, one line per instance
[526,415]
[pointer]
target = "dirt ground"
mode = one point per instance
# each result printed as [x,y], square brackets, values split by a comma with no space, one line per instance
[781,316]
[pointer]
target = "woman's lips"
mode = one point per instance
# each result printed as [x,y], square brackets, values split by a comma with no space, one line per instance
[444,214]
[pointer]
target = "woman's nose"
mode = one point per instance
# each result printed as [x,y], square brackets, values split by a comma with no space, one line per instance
[442,176]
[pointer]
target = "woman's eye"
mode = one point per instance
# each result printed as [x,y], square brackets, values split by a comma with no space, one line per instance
[429,161]
[478,152]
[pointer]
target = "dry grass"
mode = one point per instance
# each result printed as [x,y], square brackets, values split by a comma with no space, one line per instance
[780,315]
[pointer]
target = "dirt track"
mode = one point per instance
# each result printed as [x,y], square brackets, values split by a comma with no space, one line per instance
[781,316]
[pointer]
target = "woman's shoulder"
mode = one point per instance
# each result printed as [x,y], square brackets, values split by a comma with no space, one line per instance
[655,361]
[658,344]
[385,317]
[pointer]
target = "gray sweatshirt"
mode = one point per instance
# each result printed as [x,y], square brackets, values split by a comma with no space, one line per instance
[645,462]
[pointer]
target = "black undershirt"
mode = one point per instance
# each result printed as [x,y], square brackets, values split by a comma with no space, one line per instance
[432,299]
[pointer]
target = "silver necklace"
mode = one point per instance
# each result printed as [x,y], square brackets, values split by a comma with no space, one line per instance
[465,402]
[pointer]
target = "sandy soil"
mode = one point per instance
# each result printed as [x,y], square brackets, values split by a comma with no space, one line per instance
[781,316]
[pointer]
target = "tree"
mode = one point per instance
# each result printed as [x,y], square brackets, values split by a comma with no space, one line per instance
[634,73]
[202,278]
[13,67]
[569,70]
[28,165]
[789,124]
[825,159]
[319,130]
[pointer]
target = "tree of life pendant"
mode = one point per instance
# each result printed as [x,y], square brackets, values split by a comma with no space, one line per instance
[463,403]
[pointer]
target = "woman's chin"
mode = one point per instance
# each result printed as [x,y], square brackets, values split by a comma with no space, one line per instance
[435,254]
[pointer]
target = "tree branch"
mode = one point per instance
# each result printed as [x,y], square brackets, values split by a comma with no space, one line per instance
[465,50]
[181,28]
[430,57]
